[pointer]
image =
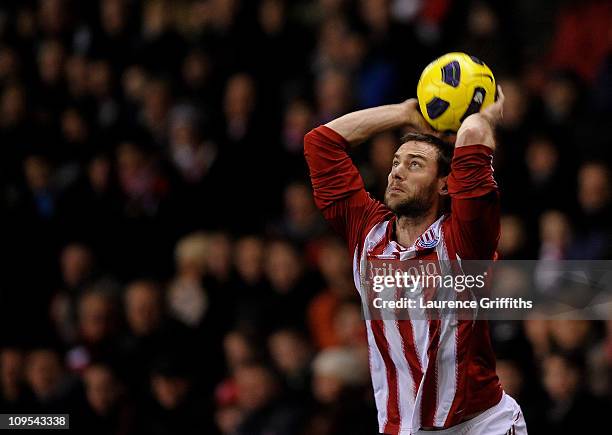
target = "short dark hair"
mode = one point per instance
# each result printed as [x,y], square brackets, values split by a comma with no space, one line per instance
[445,149]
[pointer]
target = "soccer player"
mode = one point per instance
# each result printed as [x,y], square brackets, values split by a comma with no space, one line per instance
[426,374]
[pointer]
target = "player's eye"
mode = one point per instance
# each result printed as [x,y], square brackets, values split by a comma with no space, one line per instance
[395,163]
[415,164]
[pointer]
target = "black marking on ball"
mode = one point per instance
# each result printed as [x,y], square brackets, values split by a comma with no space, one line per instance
[475,103]
[436,107]
[451,73]
[476,60]
[489,76]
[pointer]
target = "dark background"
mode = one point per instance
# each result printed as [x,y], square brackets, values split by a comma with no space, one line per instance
[164,268]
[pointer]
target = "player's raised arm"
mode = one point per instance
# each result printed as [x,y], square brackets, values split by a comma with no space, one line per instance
[473,190]
[359,126]
[334,177]
[338,188]
[479,128]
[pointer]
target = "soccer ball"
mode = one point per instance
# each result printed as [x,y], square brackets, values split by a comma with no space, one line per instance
[453,87]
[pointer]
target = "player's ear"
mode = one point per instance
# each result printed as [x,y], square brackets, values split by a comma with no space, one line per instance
[443,186]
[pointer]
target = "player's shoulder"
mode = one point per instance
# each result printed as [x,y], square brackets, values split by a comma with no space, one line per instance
[463,243]
[377,233]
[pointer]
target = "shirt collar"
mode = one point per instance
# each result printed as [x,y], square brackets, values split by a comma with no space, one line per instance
[426,242]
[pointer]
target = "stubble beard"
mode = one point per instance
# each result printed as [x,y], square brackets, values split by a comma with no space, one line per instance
[413,206]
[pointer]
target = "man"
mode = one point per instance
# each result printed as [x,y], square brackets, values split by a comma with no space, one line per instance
[427,374]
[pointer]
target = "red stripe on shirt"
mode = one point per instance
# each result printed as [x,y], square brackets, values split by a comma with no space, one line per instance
[410,351]
[430,383]
[393,413]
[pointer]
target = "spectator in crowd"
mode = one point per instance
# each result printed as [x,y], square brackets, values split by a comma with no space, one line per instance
[542,159]
[335,268]
[593,217]
[537,331]
[151,332]
[252,295]
[174,408]
[240,348]
[570,36]
[381,153]
[568,399]
[512,374]
[556,235]
[338,379]
[600,364]
[96,328]
[513,240]
[260,397]
[79,274]
[291,354]
[248,261]
[285,272]
[298,120]
[301,222]
[13,394]
[107,409]
[228,414]
[44,374]
[187,300]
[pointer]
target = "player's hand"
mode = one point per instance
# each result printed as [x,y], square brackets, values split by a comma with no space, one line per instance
[414,120]
[479,128]
[417,123]
[495,112]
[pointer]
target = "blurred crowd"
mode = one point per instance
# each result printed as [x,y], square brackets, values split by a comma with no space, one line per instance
[166,271]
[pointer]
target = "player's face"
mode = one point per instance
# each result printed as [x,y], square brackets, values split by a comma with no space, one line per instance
[413,186]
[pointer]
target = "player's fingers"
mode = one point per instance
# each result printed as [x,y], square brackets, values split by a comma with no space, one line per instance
[421,124]
[501,97]
[427,128]
[422,127]
[500,101]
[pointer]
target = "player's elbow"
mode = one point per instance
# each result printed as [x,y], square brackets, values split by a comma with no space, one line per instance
[470,135]
[475,130]
[309,141]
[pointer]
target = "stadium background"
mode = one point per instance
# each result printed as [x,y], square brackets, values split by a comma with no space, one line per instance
[165,270]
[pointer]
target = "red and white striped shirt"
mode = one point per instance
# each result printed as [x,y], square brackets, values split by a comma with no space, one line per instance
[425,373]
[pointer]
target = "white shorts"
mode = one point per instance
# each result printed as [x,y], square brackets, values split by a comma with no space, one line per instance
[505,418]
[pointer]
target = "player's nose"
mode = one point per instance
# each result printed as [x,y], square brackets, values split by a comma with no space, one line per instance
[396,173]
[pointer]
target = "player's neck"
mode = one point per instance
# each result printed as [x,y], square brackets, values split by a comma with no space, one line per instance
[409,228]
